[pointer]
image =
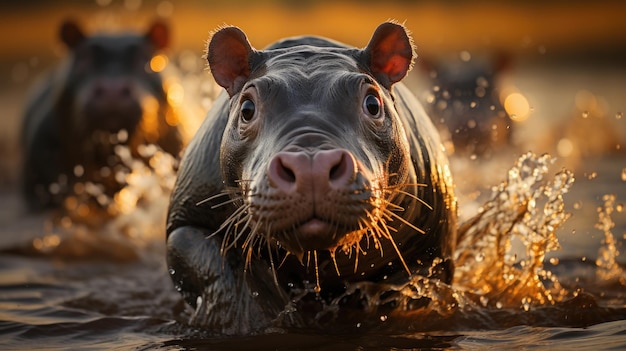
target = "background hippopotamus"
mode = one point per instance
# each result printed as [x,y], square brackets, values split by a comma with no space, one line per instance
[464,101]
[315,169]
[103,94]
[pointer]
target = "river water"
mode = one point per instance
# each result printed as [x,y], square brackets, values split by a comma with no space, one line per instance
[540,266]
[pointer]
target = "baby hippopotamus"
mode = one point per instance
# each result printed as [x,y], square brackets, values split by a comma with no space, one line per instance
[103,94]
[314,171]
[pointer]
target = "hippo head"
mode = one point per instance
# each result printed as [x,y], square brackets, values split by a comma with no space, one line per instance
[314,152]
[110,85]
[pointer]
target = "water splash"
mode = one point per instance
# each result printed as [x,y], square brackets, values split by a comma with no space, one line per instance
[526,207]
[123,227]
[493,280]
[609,271]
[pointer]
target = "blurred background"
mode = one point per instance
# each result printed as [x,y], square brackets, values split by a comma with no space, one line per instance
[562,81]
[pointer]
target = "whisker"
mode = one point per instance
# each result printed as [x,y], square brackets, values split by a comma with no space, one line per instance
[318,288]
[269,251]
[231,201]
[213,197]
[393,206]
[284,259]
[416,198]
[225,192]
[251,236]
[395,246]
[240,232]
[308,259]
[396,216]
[356,256]
[334,258]
[382,230]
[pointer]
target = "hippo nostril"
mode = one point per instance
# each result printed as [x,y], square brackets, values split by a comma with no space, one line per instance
[339,166]
[321,171]
[338,170]
[125,91]
[283,170]
[285,173]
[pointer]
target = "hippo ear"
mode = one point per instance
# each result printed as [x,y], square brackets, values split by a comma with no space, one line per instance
[390,53]
[229,58]
[159,35]
[71,34]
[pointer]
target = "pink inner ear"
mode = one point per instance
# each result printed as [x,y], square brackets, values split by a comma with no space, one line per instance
[394,66]
[228,58]
[159,35]
[391,53]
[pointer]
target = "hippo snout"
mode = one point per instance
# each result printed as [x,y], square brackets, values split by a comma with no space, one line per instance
[314,174]
[311,198]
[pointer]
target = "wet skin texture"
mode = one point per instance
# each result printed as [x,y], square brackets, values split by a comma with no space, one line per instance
[314,168]
[104,86]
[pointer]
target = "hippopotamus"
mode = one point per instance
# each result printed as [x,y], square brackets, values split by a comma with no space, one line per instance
[102,95]
[314,170]
[465,102]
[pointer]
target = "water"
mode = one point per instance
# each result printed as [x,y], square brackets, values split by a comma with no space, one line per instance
[67,281]
[540,266]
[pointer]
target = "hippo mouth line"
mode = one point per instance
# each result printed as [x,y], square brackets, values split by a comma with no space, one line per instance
[316,233]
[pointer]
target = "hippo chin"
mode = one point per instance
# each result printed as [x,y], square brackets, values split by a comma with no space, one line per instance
[315,167]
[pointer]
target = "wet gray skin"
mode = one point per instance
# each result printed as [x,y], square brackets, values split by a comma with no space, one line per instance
[315,167]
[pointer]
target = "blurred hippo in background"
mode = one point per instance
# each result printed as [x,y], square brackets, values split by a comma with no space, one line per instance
[464,103]
[102,95]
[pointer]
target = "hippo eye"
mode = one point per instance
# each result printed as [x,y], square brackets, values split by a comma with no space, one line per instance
[247,110]
[371,105]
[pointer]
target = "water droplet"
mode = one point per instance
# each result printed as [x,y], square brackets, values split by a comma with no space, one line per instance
[554,261]
[619,115]
[473,104]
[54,188]
[585,114]
[430,98]
[358,325]
[624,174]
[165,9]
[172,271]
[79,171]
[198,300]
[498,305]
[383,318]
[465,56]
[255,294]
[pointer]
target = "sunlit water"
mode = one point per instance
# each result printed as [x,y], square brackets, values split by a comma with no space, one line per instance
[96,278]
[105,285]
